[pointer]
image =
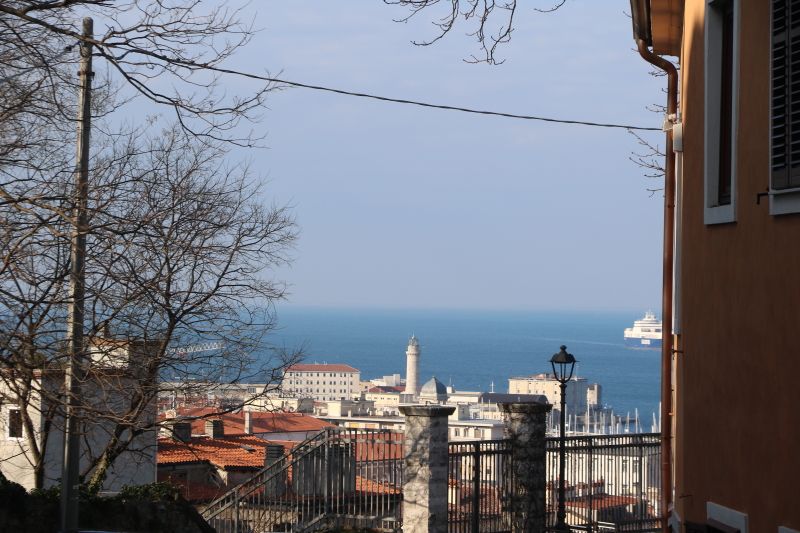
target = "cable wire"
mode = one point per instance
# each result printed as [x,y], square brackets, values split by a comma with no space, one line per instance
[438,106]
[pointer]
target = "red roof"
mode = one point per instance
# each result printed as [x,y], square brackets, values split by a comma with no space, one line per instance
[321,368]
[194,491]
[228,453]
[261,421]
[602,501]
[387,388]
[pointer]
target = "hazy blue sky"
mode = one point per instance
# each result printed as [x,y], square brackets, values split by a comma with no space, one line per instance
[406,207]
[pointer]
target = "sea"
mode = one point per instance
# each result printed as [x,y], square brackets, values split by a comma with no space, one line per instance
[480,350]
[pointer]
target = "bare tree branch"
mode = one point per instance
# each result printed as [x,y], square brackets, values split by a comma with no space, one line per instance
[484,14]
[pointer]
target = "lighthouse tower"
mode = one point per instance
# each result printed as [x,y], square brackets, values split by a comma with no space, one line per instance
[412,365]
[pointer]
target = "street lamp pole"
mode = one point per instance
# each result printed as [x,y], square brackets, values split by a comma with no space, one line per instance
[563,366]
[562,509]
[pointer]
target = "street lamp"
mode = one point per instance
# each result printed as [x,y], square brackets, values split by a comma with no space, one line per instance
[563,366]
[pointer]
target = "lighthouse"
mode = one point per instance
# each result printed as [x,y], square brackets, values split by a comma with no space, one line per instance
[412,365]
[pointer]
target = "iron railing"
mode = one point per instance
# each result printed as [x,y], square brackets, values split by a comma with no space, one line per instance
[354,478]
[612,482]
[339,478]
[479,483]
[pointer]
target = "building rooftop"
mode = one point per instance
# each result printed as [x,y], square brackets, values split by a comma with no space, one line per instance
[500,397]
[545,377]
[260,422]
[387,389]
[601,501]
[234,452]
[193,491]
[324,367]
[433,387]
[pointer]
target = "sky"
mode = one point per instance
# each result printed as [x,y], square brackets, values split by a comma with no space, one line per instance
[404,207]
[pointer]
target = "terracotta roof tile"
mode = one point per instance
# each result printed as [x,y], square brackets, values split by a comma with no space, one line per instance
[193,491]
[261,422]
[229,452]
[387,388]
[602,501]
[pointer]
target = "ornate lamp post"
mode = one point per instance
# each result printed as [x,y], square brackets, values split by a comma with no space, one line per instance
[563,366]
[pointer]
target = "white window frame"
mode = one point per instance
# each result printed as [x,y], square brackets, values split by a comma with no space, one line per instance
[714,213]
[781,201]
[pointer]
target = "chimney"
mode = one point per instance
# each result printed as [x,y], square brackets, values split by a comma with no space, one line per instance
[182,431]
[272,454]
[248,422]
[214,428]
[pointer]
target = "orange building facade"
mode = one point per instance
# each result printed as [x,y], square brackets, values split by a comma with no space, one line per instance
[735,378]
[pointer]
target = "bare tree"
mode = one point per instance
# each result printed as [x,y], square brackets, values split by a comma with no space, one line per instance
[179,249]
[179,243]
[171,53]
[650,157]
[492,21]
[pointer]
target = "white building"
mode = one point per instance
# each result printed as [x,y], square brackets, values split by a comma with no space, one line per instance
[322,382]
[386,399]
[392,380]
[547,385]
[113,375]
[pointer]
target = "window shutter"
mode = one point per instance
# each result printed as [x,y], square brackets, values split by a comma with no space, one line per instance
[785,112]
[778,111]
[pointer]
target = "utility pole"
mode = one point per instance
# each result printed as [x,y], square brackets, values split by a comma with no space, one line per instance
[75,373]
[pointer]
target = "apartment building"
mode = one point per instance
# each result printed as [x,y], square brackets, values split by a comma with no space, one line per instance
[322,382]
[547,385]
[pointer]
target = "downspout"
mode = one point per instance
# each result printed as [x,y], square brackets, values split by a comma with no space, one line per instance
[667,281]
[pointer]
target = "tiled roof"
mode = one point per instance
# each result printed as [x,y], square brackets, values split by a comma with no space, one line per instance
[194,491]
[261,421]
[370,486]
[601,501]
[302,367]
[228,453]
[387,389]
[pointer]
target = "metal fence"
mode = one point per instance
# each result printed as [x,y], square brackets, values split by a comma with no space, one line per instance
[479,482]
[612,483]
[339,478]
[354,478]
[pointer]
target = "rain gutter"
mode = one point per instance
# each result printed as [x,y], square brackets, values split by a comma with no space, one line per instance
[640,12]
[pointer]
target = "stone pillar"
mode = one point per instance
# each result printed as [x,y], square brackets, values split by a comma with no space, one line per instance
[525,425]
[425,483]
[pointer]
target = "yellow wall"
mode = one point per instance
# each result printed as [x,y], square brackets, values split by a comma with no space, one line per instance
[738,396]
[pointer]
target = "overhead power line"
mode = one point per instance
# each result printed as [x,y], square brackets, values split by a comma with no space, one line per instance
[437,106]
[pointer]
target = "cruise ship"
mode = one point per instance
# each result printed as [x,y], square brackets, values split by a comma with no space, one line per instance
[645,333]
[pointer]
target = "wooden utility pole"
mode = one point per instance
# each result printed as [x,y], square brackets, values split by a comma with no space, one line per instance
[76,368]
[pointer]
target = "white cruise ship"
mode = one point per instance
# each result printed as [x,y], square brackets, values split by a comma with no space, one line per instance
[645,333]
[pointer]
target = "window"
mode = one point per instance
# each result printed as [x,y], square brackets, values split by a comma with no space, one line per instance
[14,424]
[721,95]
[785,108]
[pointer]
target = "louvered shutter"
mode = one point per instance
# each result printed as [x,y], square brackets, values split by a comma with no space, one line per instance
[785,105]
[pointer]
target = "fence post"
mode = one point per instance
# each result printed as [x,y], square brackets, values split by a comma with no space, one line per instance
[476,487]
[525,425]
[236,510]
[425,482]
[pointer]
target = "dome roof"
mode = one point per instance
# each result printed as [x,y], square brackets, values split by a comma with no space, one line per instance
[433,387]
